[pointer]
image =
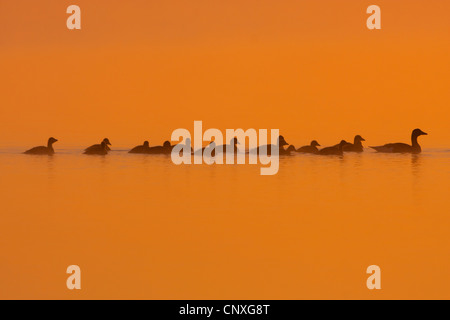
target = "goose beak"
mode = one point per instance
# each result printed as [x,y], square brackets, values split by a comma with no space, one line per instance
[424,133]
[362,139]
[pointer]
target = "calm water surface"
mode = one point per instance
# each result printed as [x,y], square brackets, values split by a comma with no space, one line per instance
[142,227]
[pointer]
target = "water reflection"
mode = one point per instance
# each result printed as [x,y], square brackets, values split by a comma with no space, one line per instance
[145,213]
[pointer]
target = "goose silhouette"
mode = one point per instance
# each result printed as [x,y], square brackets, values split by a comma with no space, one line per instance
[334,150]
[267,149]
[356,146]
[403,147]
[312,148]
[98,147]
[101,149]
[231,147]
[291,148]
[209,150]
[186,145]
[44,150]
[166,148]
[141,149]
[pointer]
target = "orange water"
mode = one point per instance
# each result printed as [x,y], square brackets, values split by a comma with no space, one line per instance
[140,227]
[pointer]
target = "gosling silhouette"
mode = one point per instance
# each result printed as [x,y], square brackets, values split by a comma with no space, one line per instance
[267,149]
[166,148]
[291,148]
[231,146]
[334,150]
[210,150]
[141,149]
[101,149]
[186,145]
[356,146]
[312,148]
[94,149]
[44,150]
[403,147]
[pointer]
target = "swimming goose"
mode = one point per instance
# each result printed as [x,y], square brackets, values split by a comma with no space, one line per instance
[141,149]
[290,148]
[267,149]
[186,145]
[48,150]
[334,150]
[356,146]
[231,147]
[312,148]
[403,147]
[166,148]
[98,147]
[102,149]
[210,150]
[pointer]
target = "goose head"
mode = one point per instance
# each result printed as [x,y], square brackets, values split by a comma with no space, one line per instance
[358,139]
[342,144]
[314,143]
[234,141]
[282,142]
[52,141]
[106,140]
[166,144]
[146,144]
[418,132]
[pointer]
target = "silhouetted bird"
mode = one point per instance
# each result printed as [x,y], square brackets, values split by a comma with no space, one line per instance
[312,148]
[186,145]
[98,147]
[209,150]
[290,148]
[231,147]
[48,150]
[356,146]
[267,149]
[403,147]
[334,150]
[141,149]
[166,148]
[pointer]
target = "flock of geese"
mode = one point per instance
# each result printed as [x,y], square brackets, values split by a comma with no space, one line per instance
[338,149]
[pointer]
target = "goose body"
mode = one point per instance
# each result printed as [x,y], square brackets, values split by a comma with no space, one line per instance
[356,146]
[102,149]
[312,148]
[166,148]
[291,148]
[43,150]
[141,149]
[209,149]
[403,147]
[228,147]
[334,150]
[267,149]
[98,147]
[186,145]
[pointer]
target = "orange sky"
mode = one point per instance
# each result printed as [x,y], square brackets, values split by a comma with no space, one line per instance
[139,69]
